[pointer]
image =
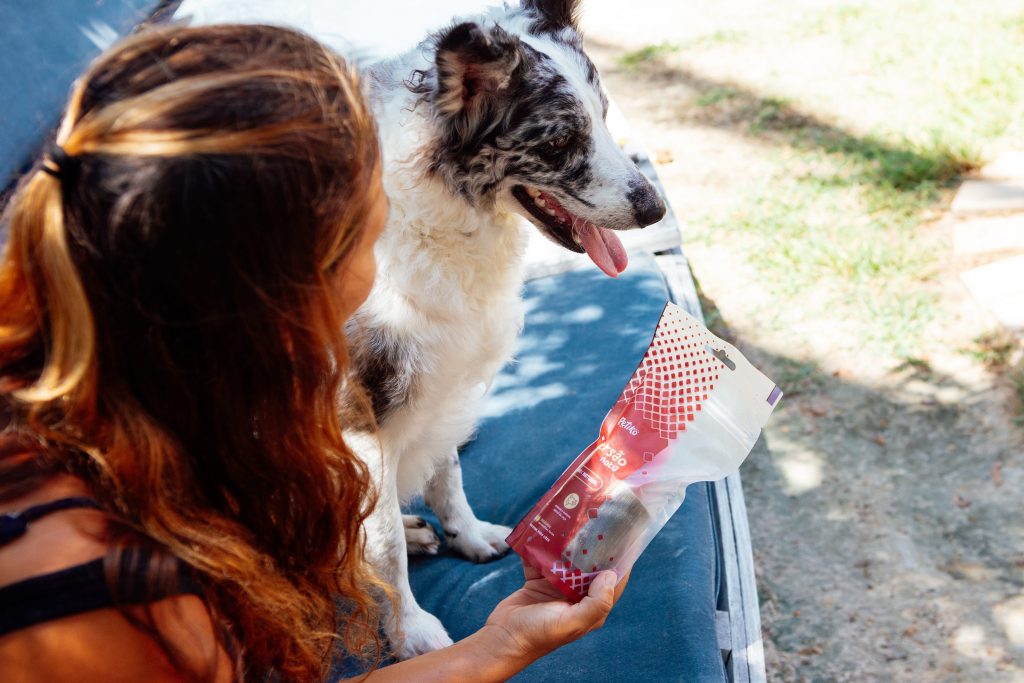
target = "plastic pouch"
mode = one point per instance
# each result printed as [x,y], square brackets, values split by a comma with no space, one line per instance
[691,412]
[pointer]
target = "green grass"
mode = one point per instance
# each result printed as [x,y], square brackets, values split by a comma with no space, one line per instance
[719,37]
[951,72]
[925,91]
[1002,353]
[770,113]
[993,349]
[843,20]
[797,376]
[648,53]
[1017,381]
[716,95]
[808,240]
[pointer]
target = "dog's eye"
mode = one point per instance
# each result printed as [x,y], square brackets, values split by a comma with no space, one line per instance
[561,142]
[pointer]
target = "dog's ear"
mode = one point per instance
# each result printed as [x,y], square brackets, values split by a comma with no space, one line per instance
[475,67]
[553,15]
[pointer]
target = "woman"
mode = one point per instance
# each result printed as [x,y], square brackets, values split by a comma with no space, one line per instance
[181,504]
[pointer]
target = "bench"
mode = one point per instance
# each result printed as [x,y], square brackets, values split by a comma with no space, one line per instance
[691,611]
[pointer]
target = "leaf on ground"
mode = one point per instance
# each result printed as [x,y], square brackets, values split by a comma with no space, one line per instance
[818,407]
[997,473]
[961,502]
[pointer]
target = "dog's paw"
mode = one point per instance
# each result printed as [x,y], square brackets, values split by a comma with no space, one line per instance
[420,537]
[481,541]
[422,632]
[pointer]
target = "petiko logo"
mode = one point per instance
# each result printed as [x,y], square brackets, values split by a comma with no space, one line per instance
[628,426]
[611,458]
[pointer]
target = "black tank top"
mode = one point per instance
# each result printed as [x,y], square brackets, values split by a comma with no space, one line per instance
[74,590]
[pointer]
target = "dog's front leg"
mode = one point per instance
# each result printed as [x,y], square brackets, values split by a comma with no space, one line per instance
[412,631]
[478,540]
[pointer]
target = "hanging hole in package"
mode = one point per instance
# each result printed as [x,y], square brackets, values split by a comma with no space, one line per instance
[691,412]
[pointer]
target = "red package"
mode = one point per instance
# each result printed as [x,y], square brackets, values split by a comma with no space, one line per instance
[691,412]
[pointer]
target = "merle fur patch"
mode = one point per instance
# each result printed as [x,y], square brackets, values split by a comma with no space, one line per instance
[382,366]
[522,122]
[551,16]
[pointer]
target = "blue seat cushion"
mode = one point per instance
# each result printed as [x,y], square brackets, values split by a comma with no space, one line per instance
[584,335]
[47,44]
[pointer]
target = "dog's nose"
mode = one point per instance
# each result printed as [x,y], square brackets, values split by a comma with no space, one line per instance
[651,212]
[648,207]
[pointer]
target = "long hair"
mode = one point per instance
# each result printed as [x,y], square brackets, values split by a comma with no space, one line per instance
[170,329]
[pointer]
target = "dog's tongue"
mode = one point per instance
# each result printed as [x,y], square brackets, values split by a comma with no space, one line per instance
[604,248]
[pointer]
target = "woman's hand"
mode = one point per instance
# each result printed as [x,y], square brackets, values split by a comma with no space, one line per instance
[528,624]
[537,619]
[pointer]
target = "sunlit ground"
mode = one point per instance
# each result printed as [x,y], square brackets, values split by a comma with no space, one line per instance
[811,150]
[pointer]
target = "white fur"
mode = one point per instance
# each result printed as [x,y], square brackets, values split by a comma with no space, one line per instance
[449,281]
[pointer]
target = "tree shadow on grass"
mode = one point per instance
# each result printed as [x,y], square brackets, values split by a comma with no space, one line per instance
[733,107]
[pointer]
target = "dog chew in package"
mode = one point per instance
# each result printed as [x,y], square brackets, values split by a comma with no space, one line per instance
[691,412]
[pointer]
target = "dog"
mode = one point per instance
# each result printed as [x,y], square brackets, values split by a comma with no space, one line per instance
[492,120]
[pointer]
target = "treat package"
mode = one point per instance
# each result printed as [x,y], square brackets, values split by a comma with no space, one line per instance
[691,412]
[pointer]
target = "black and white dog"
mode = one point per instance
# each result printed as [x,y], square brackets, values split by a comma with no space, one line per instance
[498,117]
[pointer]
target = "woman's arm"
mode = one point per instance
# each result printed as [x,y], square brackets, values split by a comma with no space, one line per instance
[525,626]
[481,657]
[102,644]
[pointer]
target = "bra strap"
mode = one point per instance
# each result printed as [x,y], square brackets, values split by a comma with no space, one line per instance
[14,524]
[79,589]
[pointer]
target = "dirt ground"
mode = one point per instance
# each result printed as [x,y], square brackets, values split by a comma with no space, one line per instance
[885,497]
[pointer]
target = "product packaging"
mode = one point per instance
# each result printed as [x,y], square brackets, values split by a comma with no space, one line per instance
[691,412]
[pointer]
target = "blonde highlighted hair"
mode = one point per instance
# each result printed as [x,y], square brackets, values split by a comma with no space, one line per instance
[170,330]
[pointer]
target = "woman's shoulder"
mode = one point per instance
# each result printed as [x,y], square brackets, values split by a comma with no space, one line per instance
[55,541]
[104,645]
[95,644]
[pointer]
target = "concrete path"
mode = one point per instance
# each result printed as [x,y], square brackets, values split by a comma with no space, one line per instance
[989,234]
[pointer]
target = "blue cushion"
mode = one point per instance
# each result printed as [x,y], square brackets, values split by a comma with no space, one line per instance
[584,335]
[47,44]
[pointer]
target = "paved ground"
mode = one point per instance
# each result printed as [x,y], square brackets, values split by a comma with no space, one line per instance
[885,499]
[989,237]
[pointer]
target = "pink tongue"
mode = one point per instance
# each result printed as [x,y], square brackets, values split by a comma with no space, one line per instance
[604,248]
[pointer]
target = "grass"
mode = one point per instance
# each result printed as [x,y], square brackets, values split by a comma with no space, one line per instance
[770,113]
[797,376]
[1003,354]
[994,349]
[863,150]
[716,95]
[648,53]
[1017,381]
[844,221]
[870,265]
[1014,374]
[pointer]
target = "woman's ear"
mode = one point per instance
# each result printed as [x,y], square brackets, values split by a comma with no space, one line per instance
[475,67]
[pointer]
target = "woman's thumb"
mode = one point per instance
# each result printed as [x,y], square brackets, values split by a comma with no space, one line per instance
[599,599]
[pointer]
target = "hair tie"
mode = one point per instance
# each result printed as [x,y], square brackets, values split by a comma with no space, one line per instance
[57,162]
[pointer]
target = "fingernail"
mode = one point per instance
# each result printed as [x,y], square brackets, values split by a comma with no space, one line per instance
[610,578]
